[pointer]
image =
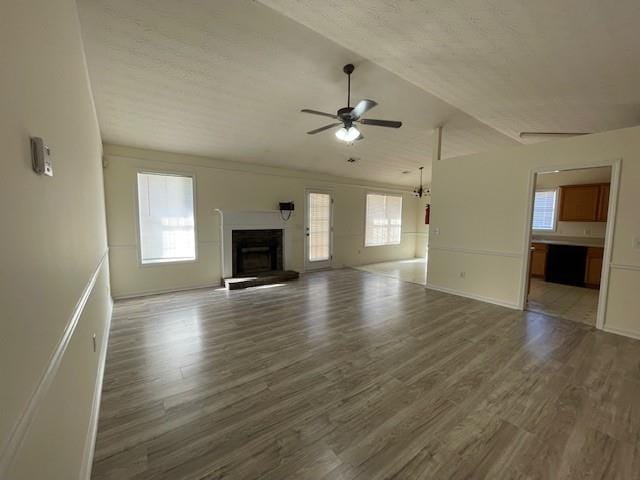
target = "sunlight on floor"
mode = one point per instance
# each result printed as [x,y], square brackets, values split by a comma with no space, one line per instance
[412,270]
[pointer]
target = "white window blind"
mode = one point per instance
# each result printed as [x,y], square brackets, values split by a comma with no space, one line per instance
[165,212]
[319,227]
[544,210]
[383,220]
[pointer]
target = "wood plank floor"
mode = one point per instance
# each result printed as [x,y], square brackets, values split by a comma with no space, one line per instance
[351,375]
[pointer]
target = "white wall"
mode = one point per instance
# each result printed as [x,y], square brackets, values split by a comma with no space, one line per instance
[479,207]
[234,186]
[53,240]
[575,177]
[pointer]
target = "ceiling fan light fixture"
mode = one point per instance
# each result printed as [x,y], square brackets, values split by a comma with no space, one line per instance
[348,135]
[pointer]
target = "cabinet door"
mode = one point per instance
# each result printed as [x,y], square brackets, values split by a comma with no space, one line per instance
[538,260]
[579,203]
[593,268]
[593,272]
[603,203]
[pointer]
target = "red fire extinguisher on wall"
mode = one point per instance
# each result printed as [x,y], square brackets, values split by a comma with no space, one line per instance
[427,212]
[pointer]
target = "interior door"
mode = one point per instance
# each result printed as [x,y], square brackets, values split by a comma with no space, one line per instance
[318,229]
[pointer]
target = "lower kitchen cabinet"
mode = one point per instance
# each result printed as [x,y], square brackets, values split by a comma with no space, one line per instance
[593,268]
[538,259]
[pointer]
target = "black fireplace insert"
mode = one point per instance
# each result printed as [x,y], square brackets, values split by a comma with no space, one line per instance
[256,252]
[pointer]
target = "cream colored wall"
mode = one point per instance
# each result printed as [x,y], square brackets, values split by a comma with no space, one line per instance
[234,186]
[53,239]
[576,177]
[479,211]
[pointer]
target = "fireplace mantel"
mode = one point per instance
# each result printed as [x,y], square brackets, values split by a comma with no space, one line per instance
[231,220]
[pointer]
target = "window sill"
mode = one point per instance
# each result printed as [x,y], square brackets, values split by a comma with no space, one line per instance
[383,245]
[159,263]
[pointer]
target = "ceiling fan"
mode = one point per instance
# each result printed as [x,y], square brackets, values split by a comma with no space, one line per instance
[349,115]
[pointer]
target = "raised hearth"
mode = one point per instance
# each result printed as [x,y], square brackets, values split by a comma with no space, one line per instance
[269,278]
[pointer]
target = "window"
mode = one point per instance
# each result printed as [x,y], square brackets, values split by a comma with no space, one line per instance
[383,220]
[165,213]
[544,210]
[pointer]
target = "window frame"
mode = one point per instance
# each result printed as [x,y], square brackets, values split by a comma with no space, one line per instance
[386,194]
[167,173]
[553,229]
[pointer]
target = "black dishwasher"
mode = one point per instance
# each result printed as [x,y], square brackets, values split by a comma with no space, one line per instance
[566,264]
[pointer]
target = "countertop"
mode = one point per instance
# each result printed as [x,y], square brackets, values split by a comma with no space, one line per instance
[576,241]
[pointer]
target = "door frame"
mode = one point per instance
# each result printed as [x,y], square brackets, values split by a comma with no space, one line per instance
[615,165]
[323,264]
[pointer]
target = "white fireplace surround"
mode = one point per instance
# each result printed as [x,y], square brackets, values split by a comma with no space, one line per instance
[231,220]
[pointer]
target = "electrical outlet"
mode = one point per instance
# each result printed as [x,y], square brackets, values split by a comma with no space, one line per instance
[436,231]
[636,242]
[463,274]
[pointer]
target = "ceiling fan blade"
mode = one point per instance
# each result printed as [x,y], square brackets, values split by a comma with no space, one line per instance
[361,108]
[322,129]
[380,123]
[316,112]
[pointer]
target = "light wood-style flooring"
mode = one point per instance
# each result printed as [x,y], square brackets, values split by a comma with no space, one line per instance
[346,374]
[411,270]
[565,301]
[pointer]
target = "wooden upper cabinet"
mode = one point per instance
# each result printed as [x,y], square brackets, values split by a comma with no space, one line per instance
[603,203]
[583,203]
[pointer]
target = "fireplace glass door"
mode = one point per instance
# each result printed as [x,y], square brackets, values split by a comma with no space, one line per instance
[318,230]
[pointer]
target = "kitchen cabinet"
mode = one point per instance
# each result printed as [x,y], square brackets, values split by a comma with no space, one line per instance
[603,203]
[538,259]
[584,203]
[579,203]
[593,268]
[568,264]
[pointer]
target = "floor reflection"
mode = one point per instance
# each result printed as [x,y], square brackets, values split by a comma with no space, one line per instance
[413,270]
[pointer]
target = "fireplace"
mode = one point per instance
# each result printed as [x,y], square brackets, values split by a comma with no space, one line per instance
[256,252]
[255,249]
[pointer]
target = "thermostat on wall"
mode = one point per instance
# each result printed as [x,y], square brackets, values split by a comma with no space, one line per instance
[41,157]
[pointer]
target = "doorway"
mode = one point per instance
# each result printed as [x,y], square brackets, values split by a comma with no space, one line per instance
[569,242]
[318,229]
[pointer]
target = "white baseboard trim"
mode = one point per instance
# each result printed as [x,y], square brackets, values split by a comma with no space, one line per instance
[473,296]
[146,293]
[22,424]
[622,331]
[90,444]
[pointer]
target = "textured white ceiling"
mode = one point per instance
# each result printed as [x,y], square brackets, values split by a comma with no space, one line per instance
[227,79]
[516,65]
